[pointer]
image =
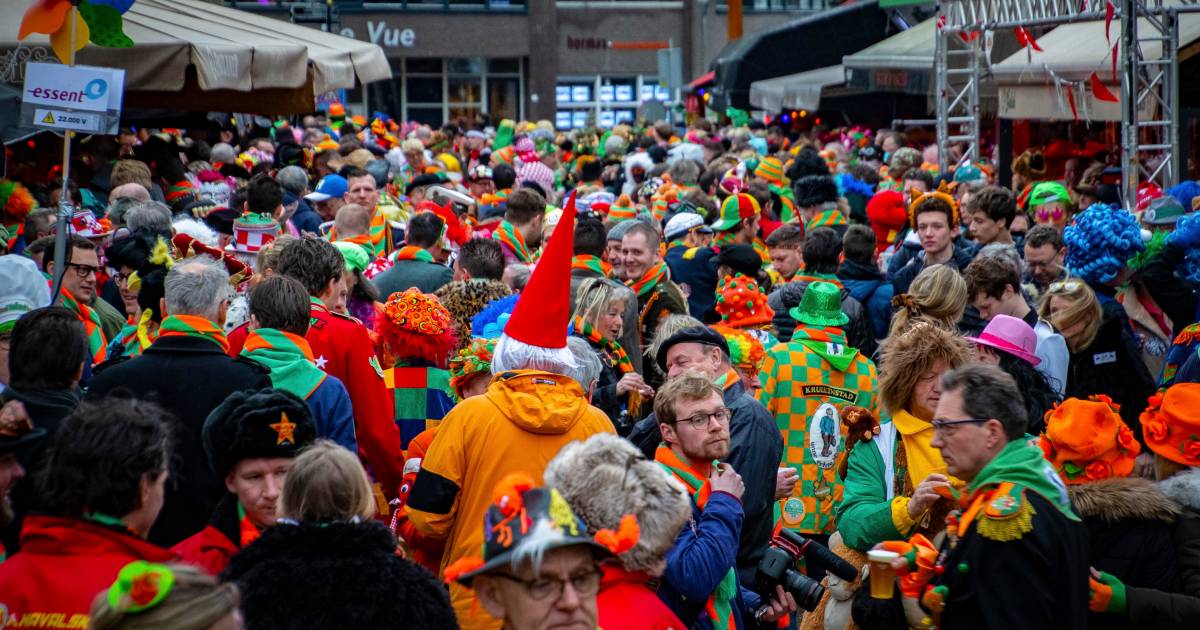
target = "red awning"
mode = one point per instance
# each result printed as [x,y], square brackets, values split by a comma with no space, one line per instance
[703,80]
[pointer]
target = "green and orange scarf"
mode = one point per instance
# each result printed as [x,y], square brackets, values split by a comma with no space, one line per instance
[97,344]
[195,327]
[649,280]
[412,252]
[247,532]
[828,342]
[826,218]
[727,380]
[720,604]
[507,234]
[135,336]
[592,263]
[289,357]
[614,349]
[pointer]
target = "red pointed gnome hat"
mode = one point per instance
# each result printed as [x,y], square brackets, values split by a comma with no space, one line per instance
[543,311]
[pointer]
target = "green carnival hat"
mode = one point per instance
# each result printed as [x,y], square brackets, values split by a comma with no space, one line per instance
[820,306]
[734,209]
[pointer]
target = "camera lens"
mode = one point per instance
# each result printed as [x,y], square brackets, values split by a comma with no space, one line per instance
[804,589]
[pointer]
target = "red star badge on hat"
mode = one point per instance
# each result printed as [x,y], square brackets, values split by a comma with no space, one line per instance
[284,429]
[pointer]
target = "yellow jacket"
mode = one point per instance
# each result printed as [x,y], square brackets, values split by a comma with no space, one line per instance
[522,421]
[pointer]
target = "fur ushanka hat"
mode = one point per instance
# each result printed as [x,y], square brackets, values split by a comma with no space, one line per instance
[604,478]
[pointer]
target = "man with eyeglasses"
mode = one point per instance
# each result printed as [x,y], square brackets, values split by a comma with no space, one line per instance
[539,568]
[1044,253]
[79,294]
[700,583]
[1016,556]
[755,446]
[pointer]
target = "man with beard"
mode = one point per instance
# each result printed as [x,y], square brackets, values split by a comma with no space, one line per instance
[700,583]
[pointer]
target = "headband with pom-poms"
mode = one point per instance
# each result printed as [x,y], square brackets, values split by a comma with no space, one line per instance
[943,193]
[1100,242]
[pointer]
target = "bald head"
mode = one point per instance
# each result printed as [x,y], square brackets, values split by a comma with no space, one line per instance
[352,220]
[129,191]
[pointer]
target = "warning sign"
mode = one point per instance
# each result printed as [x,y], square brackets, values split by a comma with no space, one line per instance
[75,121]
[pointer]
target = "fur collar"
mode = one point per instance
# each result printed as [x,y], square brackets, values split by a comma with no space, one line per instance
[1183,488]
[1123,498]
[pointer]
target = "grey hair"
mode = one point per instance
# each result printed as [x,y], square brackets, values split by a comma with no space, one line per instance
[989,392]
[119,209]
[1004,252]
[587,365]
[222,152]
[670,325]
[292,179]
[197,286]
[520,275]
[150,215]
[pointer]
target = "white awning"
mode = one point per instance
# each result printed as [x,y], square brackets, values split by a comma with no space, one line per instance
[908,50]
[795,91]
[229,49]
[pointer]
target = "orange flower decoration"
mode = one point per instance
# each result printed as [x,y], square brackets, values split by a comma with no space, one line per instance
[623,539]
[1086,440]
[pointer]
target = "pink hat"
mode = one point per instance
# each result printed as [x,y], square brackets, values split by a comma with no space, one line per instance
[1011,335]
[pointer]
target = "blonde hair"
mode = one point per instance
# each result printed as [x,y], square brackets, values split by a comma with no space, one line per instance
[196,602]
[670,325]
[937,295]
[1083,308]
[326,483]
[593,299]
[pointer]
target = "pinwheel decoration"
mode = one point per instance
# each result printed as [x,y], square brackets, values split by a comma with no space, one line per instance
[97,21]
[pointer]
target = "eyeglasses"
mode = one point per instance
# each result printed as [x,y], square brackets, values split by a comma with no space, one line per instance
[121,278]
[541,588]
[700,421]
[1068,286]
[83,271]
[940,426]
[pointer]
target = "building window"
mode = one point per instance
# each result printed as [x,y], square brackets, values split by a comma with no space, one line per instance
[434,91]
[603,100]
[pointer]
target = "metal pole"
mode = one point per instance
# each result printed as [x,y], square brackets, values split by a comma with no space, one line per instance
[1172,135]
[941,89]
[64,200]
[1129,114]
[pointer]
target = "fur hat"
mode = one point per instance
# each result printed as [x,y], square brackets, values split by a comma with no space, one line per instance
[904,160]
[807,162]
[888,215]
[904,357]
[253,424]
[464,299]
[1086,440]
[815,190]
[604,478]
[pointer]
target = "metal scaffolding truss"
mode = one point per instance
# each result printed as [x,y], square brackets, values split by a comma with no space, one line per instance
[1149,149]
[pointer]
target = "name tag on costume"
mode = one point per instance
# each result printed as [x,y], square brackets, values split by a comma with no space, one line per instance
[1101,358]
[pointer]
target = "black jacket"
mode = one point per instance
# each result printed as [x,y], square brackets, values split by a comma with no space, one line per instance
[755,450]
[404,274]
[860,333]
[335,575]
[1129,528]
[1174,296]
[604,397]
[1113,366]
[1149,608]
[189,377]
[1036,581]
[46,408]
[903,277]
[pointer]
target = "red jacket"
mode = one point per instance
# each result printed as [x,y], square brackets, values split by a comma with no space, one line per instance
[627,603]
[342,347]
[63,564]
[210,549]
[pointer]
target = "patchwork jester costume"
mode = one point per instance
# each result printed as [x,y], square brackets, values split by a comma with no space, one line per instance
[807,385]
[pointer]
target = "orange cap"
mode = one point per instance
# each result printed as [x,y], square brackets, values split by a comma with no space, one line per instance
[1086,440]
[1171,423]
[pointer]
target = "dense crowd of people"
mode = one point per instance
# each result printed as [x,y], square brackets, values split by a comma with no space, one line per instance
[337,372]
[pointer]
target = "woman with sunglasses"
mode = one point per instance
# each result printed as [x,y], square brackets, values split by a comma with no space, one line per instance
[1104,357]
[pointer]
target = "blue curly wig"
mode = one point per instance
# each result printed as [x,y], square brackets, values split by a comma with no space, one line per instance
[1189,271]
[1184,193]
[1100,242]
[489,323]
[848,184]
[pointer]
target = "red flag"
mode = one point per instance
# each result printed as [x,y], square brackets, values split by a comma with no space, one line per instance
[1101,92]
[1025,39]
[969,36]
[1109,9]
[1071,102]
[1114,60]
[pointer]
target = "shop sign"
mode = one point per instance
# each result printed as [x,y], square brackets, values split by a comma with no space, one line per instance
[380,33]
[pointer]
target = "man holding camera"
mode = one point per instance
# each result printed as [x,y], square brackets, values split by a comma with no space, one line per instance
[700,584]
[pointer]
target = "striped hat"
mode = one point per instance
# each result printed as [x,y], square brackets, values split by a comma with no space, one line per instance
[734,209]
[770,169]
[622,210]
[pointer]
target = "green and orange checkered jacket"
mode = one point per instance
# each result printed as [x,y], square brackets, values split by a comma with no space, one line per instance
[807,382]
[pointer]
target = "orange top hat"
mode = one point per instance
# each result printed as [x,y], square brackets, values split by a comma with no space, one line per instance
[1086,440]
[1171,423]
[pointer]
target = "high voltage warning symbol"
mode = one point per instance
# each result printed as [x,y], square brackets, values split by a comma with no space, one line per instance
[48,119]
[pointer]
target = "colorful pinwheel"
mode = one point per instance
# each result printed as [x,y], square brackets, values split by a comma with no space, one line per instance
[97,21]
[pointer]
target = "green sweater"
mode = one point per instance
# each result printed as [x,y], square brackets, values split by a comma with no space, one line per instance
[864,516]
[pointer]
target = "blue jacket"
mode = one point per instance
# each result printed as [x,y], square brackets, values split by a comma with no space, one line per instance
[867,285]
[306,219]
[695,271]
[332,413]
[704,551]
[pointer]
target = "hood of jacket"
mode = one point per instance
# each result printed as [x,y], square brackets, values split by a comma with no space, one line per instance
[1183,488]
[538,402]
[854,270]
[1122,498]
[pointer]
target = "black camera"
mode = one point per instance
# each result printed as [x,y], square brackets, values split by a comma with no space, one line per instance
[778,567]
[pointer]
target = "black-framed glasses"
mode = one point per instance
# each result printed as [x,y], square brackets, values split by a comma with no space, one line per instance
[83,271]
[940,426]
[700,421]
[584,584]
